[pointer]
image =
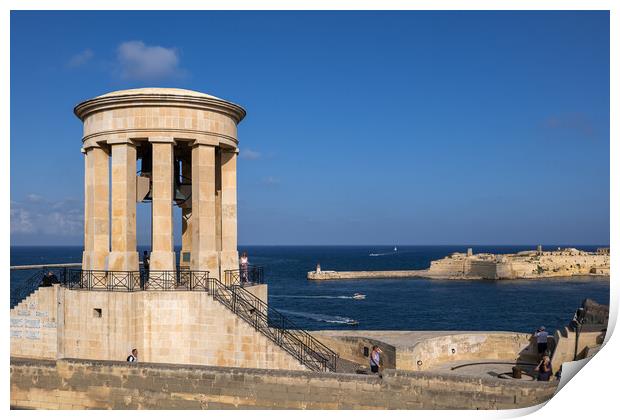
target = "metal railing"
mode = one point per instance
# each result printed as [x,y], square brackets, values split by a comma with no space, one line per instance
[130,281]
[298,343]
[244,276]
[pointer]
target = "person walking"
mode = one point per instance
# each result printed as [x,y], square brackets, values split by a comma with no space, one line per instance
[375,359]
[244,263]
[133,357]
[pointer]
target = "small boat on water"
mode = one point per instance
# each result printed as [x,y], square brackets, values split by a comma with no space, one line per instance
[352,322]
[359,296]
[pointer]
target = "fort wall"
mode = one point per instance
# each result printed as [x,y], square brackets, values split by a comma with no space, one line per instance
[454,348]
[80,384]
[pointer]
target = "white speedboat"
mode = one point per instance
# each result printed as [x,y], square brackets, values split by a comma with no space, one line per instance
[359,296]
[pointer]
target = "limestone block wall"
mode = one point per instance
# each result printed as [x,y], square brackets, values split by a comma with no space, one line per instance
[448,267]
[484,269]
[98,324]
[172,327]
[352,348]
[34,325]
[554,265]
[452,349]
[192,328]
[79,384]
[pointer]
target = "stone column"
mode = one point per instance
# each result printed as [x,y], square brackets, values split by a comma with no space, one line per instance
[204,255]
[124,255]
[186,219]
[229,256]
[101,211]
[96,209]
[162,254]
[87,255]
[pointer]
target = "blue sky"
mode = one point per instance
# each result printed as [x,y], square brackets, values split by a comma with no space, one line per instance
[362,127]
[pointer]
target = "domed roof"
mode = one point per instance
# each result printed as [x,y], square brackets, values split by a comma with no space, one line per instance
[158,91]
[151,96]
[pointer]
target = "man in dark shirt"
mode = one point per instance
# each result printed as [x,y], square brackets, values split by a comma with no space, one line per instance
[146,263]
[49,279]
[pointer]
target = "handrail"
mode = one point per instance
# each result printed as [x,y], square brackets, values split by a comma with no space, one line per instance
[245,275]
[44,266]
[298,343]
[130,281]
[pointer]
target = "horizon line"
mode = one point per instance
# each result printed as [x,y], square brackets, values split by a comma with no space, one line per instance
[360,245]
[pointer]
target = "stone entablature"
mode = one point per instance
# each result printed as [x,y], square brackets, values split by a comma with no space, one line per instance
[160,112]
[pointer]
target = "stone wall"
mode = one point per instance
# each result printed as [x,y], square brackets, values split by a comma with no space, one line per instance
[172,327]
[79,384]
[565,348]
[483,269]
[352,348]
[448,267]
[456,348]
[34,324]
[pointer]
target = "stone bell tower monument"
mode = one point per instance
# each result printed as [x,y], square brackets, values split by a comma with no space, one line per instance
[169,147]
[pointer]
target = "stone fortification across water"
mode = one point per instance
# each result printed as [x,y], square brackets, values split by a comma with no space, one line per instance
[486,266]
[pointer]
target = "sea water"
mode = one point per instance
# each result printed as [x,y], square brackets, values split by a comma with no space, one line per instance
[390,304]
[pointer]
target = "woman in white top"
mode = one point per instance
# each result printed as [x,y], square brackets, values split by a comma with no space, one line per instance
[244,262]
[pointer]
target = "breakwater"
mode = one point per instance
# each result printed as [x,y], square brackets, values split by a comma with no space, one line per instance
[334,275]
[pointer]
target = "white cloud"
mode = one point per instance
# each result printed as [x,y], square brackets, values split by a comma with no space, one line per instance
[250,154]
[142,62]
[80,58]
[36,215]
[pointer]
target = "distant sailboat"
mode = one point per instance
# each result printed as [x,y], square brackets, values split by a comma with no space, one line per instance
[375,254]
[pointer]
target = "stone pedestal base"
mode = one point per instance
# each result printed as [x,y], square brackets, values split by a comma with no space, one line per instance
[229,260]
[87,259]
[123,261]
[185,258]
[93,260]
[163,260]
[206,261]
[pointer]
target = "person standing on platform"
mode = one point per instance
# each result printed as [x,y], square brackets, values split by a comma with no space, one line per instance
[541,340]
[146,264]
[244,263]
[375,360]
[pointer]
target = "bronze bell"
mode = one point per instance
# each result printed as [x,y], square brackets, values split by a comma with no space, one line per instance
[182,187]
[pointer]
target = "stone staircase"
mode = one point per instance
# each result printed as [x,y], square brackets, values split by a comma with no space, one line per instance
[309,351]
